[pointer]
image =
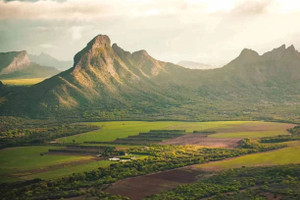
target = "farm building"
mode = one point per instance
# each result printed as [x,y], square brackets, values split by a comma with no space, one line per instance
[114,159]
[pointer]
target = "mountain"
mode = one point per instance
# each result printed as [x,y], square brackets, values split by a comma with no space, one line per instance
[196,65]
[17,64]
[47,60]
[109,83]
[13,61]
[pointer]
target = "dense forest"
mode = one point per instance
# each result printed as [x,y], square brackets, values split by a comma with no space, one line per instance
[16,131]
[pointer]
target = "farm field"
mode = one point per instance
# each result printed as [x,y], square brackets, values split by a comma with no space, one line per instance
[110,131]
[142,186]
[22,161]
[288,155]
[253,130]
[68,170]
[197,139]
[29,81]
[137,182]
[27,163]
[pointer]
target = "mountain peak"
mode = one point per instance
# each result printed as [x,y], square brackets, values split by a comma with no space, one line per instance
[99,41]
[141,54]
[248,52]
[247,55]
[281,51]
[291,48]
[282,47]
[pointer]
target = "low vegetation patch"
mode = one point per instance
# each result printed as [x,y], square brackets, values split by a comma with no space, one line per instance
[27,81]
[153,136]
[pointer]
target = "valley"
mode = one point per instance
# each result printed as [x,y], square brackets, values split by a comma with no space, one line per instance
[122,125]
[149,100]
[159,166]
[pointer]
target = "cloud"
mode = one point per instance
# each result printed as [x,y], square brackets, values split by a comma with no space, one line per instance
[47,46]
[76,32]
[53,10]
[96,9]
[251,7]
[200,30]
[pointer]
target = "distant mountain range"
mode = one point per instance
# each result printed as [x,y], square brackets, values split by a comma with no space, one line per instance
[17,64]
[47,60]
[196,65]
[109,83]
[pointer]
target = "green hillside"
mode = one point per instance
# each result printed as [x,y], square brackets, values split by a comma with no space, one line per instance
[109,83]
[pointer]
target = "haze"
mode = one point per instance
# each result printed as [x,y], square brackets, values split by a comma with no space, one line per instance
[209,31]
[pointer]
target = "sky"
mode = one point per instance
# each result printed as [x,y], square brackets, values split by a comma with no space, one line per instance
[206,31]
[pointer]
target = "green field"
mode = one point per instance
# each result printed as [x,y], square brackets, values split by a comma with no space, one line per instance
[251,134]
[288,155]
[65,171]
[27,163]
[110,131]
[28,81]
[15,161]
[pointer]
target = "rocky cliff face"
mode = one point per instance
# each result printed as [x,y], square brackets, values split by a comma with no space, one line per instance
[14,61]
[111,63]
[17,64]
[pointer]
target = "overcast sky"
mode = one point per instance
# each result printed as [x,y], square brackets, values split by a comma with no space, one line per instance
[208,31]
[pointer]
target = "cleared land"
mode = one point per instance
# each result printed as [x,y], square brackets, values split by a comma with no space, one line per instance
[110,131]
[29,81]
[197,139]
[142,186]
[283,156]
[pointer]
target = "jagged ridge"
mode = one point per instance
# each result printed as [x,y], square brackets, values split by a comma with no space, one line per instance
[106,78]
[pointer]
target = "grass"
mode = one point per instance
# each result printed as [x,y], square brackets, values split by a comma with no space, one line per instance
[251,134]
[69,170]
[288,155]
[24,163]
[253,130]
[112,130]
[76,169]
[123,146]
[18,159]
[28,81]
